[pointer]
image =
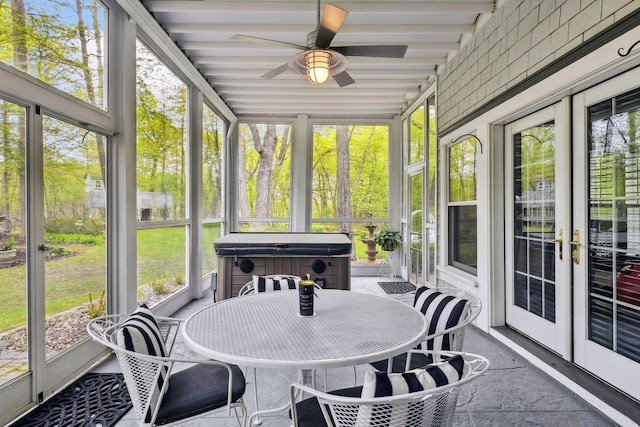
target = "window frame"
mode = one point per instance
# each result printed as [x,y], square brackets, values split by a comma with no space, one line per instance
[453,228]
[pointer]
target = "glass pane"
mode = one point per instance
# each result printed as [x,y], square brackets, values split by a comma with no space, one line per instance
[264,177]
[210,233]
[213,143]
[415,218]
[534,218]
[161,263]
[161,142]
[416,135]
[463,235]
[58,43]
[13,243]
[614,223]
[462,171]
[350,180]
[75,219]
[432,190]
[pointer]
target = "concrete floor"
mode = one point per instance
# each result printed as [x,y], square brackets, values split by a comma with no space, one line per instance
[512,393]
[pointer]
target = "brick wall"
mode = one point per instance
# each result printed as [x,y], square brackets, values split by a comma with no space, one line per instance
[519,39]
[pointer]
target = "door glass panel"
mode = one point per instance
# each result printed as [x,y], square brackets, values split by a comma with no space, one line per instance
[416,229]
[75,219]
[13,245]
[534,220]
[614,224]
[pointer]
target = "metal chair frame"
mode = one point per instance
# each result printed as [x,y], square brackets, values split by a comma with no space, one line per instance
[141,371]
[424,408]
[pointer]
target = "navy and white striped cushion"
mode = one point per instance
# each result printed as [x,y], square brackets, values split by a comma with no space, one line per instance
[443,311]
[383,384]
[274,283]
[437,374]
[140,333]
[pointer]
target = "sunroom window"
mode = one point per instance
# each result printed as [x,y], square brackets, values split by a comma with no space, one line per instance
[59,43]
[462,206]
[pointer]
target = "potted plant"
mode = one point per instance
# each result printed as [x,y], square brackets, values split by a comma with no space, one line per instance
[7,248]
[388,240]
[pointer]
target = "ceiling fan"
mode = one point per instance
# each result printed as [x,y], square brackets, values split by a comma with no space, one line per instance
[318,60]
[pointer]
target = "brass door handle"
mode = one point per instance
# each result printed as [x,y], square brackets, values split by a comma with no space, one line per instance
[559,241]
[575,250]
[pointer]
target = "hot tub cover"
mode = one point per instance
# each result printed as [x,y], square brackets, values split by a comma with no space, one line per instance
[283,244]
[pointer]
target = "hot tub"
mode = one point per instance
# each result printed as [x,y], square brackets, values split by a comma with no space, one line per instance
[324,256]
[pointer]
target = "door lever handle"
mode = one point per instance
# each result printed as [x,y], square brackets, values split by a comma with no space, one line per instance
[575,250]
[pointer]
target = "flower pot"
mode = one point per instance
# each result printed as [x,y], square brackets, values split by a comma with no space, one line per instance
[7,254]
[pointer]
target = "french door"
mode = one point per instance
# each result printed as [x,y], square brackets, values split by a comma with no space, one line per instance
[573,229]
[54,274]
[606,160]
[537,227]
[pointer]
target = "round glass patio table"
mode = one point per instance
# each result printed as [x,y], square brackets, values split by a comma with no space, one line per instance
[266,330]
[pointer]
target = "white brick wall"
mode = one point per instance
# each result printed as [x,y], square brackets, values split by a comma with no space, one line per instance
[520,38]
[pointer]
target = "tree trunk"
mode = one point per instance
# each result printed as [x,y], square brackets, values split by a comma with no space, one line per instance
[266,148]
[20,62]
[343,189]
[88,78]
[243,200]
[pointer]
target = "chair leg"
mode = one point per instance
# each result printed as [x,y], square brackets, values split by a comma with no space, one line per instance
[466,406]
[257,421]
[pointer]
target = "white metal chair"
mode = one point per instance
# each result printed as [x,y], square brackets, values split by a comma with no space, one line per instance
[442,336]
[163,395]
[346,407]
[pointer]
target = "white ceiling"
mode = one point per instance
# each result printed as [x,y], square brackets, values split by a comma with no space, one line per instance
[203,29]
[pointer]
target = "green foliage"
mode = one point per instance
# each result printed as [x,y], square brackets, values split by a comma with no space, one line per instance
[97,309]
[158,286]
[75,238]
[179,279]
[388,240]
[89,226]
[7,245]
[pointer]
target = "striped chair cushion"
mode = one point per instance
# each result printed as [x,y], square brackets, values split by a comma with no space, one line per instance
[437,374]
[140,333]
[443,311]
[382,384]
[274,283]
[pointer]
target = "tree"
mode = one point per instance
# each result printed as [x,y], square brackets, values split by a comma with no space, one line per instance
[343,183]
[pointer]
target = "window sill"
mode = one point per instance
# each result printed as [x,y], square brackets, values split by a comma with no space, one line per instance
[456,277]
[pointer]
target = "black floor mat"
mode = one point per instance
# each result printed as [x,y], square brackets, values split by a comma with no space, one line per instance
[94,400]
[397,287]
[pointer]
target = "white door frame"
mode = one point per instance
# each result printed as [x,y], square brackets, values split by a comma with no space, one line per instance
[554,335]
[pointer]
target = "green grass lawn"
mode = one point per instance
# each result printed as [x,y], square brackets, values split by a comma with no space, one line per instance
[69,280]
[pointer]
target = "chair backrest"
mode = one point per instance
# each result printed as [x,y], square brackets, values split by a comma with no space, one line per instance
[434,407]
[449,311]
[144,374]
[270,283]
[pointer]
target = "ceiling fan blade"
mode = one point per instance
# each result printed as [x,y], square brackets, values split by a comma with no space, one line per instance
[275,72]
[343,79]
[381,51]
[267,41]
[332,19]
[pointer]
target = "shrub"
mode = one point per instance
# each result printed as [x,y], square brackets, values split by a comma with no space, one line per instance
[7,245]
[90,226]
[158,286]
[96,309]
[83,239]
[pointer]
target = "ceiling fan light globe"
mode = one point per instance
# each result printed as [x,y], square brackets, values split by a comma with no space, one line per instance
[318,63]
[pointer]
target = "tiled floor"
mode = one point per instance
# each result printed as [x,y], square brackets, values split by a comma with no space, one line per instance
[513,393]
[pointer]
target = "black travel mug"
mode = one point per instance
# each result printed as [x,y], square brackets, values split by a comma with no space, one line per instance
[306,289]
